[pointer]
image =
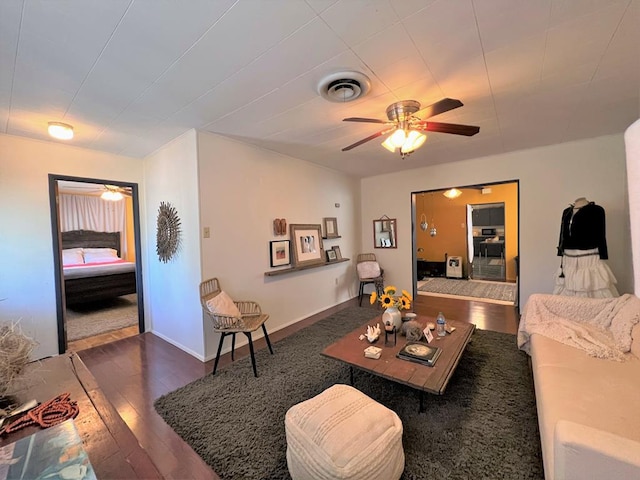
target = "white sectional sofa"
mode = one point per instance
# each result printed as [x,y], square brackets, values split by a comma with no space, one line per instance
[588,411]
[588,407]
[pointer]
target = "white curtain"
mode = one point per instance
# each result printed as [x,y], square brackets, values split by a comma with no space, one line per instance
[86,212]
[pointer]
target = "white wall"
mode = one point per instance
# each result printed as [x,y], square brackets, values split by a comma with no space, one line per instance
[632,145]
[237,190]
[26,264]
[242,190]
[550,179]
[172,305]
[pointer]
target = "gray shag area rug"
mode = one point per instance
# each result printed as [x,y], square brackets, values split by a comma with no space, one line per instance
[89,319]
[484,426]
[471,288]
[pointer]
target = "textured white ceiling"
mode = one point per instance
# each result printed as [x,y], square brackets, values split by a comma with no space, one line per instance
[131,75]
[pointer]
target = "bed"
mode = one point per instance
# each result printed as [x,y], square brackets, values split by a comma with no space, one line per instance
[92,267]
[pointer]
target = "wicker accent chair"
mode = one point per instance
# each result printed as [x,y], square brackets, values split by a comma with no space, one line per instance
[251,318]
[369,271]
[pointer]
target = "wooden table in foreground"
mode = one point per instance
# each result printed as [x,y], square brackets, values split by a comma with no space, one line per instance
[350,350]
[113,450]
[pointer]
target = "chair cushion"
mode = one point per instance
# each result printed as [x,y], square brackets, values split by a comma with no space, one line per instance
[222,304]
[368,270]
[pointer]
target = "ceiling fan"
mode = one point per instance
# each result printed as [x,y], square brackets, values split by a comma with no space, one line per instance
[114,192]
[407,120]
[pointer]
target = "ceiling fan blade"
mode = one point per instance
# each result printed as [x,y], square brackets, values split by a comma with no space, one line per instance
[365,140]
[364,120]
[466,130]
[439,107]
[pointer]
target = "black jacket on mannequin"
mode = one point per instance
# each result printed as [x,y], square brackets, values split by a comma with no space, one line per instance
[583,230]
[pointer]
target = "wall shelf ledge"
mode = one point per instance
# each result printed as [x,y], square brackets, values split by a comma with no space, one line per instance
[284,271]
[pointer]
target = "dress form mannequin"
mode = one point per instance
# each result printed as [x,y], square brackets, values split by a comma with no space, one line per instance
[580,202]
[583,248]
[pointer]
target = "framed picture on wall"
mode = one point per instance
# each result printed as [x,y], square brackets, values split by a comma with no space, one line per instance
[279,251]
[307,244]
[336,249]
[330,225]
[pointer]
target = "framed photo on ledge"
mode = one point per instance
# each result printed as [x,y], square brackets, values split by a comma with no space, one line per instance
[279,252]
[336,248]
[330,225]
[331,255]
[307,244]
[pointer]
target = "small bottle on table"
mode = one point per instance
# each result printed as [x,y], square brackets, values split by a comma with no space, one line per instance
[441,325]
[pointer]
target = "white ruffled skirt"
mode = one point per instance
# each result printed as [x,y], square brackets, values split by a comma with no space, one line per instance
[584,274]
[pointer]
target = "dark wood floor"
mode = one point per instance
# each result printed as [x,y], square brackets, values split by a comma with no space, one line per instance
[134,371]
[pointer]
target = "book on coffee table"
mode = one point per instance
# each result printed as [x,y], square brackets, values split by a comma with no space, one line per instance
[420,353]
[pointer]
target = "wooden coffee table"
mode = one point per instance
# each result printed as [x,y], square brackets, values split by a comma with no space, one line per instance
[113,449]
[350,350]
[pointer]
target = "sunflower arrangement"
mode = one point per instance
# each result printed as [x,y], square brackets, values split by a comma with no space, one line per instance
[390,298]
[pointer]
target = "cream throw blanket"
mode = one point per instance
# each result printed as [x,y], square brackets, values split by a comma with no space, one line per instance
[599,326]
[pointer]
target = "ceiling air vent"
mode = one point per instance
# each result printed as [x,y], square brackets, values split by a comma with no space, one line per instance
[344,86]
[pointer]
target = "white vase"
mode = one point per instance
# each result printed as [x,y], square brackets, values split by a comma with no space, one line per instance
[392,316]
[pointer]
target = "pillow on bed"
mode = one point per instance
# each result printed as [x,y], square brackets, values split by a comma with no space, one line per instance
[100,255]
[72,256]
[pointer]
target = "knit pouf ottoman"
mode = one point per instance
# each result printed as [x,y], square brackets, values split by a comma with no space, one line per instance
[343,434]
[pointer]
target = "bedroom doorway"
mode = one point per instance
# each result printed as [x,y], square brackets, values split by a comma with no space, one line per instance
[95,227]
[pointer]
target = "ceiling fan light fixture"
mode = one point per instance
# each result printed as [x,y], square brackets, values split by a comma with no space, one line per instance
[413,141]
[388,145]
[452,193]
[405,151]
[112,193]
[61,131]
[111,196]
[398,138]
[406,142]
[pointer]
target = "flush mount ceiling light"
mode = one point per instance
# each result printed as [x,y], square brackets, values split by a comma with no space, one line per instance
[112,193]
[61,131]
[343,87]
[452,193]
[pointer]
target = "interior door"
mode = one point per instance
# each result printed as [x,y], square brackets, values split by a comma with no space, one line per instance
[54,201]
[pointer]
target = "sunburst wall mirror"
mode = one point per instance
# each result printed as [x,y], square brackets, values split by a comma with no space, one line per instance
[168,234]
